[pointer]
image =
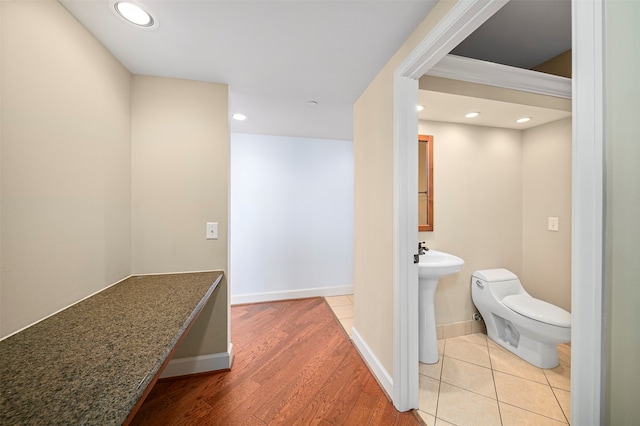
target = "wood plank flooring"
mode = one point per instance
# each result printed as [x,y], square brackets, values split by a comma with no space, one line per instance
[294,365]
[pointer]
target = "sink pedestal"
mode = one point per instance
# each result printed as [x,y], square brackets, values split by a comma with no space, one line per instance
[428,339]
[432,265]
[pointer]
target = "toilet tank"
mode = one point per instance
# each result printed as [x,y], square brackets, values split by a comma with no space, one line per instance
[499,282]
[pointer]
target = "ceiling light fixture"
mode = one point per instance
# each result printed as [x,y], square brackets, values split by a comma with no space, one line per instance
[134,13]
[239,117]
[523,119]
[420,108]
[472,114]
[312,104]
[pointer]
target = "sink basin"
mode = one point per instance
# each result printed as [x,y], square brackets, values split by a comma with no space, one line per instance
[432,265]
[436,264]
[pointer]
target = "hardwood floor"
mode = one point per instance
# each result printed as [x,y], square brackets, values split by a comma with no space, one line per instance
[294,365]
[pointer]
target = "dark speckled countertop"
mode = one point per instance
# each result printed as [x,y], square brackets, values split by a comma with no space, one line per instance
[92,362]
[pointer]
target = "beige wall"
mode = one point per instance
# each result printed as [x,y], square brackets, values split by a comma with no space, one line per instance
[622,280]
[95,162]
[373,204]
[66,164]
[546,191]
[180,178]
[180,181]
[477,207]
[559,65]
[491,207]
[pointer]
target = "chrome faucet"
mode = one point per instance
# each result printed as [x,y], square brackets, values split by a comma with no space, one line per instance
[422,249]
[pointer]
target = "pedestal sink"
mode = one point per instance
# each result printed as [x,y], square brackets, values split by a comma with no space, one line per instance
[431,266]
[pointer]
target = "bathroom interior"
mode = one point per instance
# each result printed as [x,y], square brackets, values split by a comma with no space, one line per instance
[494,191]
[495,186]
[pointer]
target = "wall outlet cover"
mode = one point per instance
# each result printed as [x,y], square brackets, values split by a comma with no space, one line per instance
[212,230]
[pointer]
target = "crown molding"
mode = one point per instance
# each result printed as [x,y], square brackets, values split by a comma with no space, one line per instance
[475,71]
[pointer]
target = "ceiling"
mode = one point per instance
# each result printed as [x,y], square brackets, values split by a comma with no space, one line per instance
[274,55]
[452,108]
[522,34]
[278,55]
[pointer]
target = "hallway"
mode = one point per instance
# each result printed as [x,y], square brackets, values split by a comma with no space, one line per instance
[293,364]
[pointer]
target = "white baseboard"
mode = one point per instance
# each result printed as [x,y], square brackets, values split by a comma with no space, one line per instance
[199,364]
[372,361]
[239,299]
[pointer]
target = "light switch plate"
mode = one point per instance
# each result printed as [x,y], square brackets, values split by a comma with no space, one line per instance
[553,224]
[212,230]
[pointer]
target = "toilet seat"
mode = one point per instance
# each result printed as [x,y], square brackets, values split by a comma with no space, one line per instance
[538,310]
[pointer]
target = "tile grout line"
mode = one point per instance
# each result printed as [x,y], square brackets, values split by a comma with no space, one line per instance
[532,381]
[560,405]
[493,377]
[534,412]
[444,348]
[555,396]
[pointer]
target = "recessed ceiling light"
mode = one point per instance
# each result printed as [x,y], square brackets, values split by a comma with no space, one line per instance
[312,104]
[239,117]
[472,114]
[523,119]
[134,13]
[420,108]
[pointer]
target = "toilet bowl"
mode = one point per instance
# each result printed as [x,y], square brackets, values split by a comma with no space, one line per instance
[526,326]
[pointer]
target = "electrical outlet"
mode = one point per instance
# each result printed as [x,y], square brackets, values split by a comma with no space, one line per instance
[553,224]
[212,230]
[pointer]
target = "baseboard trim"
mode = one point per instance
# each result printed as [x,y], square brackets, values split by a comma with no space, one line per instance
[199,364]
[240,299]
[379,372]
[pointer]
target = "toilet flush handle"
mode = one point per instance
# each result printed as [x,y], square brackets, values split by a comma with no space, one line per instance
[479,284]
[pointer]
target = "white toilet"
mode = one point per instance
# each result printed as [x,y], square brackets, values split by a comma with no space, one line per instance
[528,327]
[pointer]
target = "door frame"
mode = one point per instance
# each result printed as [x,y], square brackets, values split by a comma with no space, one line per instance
[587,199]
[462,19]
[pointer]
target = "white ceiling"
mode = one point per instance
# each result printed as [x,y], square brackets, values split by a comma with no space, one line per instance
[274,55]
[277,55]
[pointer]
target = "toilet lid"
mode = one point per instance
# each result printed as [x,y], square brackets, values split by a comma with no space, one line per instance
[538,310]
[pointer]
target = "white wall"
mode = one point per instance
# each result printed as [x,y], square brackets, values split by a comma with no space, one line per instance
[291,217]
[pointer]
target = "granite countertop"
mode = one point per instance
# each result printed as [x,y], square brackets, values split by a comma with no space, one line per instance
[92,362]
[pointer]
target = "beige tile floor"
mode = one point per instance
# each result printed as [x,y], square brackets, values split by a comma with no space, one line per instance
[477,382]
[342,307]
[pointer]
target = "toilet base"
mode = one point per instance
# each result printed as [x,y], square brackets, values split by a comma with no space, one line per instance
[540,354]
